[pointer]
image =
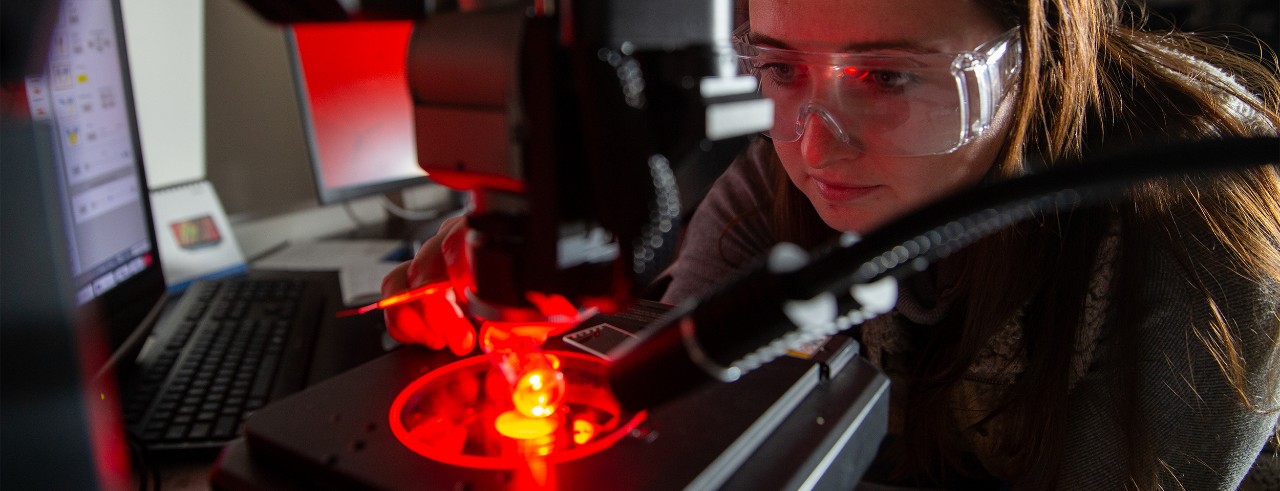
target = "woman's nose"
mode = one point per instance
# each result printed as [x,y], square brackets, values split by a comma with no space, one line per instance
[822,137]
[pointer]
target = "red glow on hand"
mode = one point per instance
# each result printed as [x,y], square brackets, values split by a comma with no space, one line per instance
[443,321]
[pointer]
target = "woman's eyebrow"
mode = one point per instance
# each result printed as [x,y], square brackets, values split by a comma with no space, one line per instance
[878,45]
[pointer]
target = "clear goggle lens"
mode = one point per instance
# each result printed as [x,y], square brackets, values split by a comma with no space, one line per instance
[895,105]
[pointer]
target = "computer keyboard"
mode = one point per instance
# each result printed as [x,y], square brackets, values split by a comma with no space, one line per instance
[220,363]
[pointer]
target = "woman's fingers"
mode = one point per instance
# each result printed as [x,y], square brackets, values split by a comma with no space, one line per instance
[435,321]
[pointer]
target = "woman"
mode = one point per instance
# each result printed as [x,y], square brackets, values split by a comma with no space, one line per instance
[1127,346]
[1133,345]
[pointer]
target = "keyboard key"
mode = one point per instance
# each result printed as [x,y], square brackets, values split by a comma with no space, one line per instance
[262,381]
[199,431]
[176,432]
[225,427]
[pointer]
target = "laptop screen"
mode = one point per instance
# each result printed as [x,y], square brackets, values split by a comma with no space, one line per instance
[84,96]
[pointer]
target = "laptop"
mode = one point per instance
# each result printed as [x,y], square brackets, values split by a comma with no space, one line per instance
[190,368]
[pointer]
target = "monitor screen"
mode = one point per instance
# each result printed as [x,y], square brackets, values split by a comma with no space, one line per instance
[356,109]
[85,97]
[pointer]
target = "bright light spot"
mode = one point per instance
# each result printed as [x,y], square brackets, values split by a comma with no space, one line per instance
[583,431]
[512,424]
[539,392]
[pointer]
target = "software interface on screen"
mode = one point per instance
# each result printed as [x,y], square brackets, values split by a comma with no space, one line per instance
[82,95]
[356,106]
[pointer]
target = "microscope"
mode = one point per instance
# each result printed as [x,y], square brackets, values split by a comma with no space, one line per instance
[569,122]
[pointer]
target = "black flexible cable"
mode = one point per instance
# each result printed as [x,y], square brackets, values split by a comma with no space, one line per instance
[696,340]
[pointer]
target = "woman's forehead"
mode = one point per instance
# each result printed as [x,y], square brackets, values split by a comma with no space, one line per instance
[848,25]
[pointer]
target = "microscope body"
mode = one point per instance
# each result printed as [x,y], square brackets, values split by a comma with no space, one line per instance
[568,126]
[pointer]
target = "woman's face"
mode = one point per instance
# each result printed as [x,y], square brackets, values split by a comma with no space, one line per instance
[851,188]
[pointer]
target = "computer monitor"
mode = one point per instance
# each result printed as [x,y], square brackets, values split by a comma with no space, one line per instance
[84,98]
[80,263]
[356,110]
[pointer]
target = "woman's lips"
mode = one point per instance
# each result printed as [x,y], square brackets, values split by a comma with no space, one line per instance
[839,192]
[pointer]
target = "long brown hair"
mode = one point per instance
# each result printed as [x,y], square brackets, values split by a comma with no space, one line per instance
[1092,79]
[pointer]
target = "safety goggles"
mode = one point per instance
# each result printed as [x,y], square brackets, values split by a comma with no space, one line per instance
[887,104]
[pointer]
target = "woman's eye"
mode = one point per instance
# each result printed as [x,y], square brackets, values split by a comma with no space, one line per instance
[888,80]
[878,80]
[781,73]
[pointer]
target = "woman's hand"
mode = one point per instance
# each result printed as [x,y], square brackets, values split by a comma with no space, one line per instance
[437,320]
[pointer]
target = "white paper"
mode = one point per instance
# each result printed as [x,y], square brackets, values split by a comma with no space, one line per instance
[195,237]
[362,283]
